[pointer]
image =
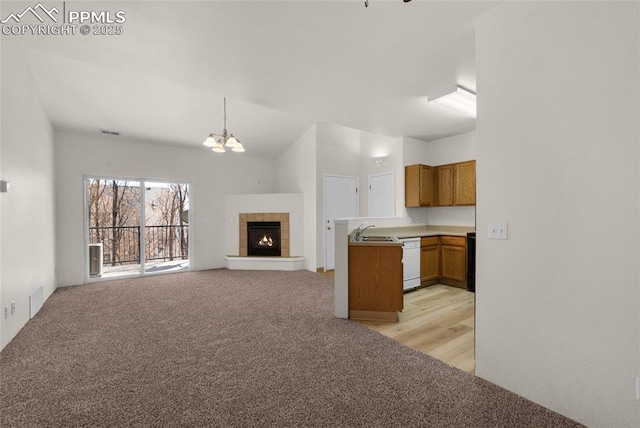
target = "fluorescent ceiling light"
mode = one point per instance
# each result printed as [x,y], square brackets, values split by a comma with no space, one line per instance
[456,98]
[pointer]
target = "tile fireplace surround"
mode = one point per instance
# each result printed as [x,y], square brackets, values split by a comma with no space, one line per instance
[283,218]
[283,262]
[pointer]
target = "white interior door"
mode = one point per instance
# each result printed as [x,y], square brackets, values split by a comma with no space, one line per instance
[381,195]
[340,200]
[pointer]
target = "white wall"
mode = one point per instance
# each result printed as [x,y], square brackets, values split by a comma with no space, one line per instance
[292,203]
[1,198]
[27,215]
[338,152]
[557,303]
[373,146]
[355,157]
[458,148]
[295,171]
[212,177]
[347,151]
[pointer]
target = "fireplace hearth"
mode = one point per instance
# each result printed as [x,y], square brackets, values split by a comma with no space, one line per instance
[263,238]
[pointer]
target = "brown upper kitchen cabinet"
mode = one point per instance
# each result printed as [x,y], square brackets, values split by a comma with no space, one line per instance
[444,185]
[464,181]
[456,184]
[418,186]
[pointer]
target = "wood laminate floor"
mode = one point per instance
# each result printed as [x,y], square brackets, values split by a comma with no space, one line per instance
[437,320]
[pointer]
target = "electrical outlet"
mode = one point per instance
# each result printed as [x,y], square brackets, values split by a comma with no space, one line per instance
[497,230]
[13,308]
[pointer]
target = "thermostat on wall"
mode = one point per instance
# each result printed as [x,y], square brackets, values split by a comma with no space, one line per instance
[5,186]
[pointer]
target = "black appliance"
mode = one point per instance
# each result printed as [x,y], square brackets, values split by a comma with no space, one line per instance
[471,261]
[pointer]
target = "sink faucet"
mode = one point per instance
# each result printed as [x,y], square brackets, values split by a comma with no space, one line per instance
[359,230]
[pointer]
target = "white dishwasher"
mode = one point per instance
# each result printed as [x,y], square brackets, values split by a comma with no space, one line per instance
[411,263]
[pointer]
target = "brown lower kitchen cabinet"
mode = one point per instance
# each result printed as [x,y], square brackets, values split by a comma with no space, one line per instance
[453,267]
[429,259]
[375,281]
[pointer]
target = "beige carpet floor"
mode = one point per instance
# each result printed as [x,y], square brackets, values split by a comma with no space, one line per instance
[226,348]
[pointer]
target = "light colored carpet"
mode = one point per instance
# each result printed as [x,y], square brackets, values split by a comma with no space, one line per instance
[232,348]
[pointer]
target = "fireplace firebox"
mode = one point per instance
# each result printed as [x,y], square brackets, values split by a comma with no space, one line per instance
[263,238]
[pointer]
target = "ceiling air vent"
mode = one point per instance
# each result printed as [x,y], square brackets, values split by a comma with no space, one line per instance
[107,132]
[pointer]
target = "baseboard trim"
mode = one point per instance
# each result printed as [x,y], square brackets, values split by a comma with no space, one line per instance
[453,283]
[373,315]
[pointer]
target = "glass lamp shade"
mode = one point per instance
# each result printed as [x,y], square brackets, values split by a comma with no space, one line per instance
[210,141]
[218,147]
[231,141]
[238,147]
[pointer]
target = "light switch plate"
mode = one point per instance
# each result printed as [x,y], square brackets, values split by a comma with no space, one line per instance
[497,230]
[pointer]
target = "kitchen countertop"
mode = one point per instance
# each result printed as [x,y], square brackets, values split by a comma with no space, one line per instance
[418,231]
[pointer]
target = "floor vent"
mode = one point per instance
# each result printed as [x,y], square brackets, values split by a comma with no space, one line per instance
[35,302]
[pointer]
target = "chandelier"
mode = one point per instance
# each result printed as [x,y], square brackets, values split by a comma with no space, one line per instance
[225,139]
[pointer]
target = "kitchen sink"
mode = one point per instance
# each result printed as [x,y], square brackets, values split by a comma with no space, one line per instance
[377,238]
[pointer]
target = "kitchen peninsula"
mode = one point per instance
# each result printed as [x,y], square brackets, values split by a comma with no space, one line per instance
[375,278]
[399,230]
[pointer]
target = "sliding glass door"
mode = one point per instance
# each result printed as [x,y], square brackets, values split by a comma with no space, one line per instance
[166,228]
[135,227]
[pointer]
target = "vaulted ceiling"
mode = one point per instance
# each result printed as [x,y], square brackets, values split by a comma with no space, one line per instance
[282,66]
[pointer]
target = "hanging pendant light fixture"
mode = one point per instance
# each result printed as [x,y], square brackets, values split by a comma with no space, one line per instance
[225,139]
